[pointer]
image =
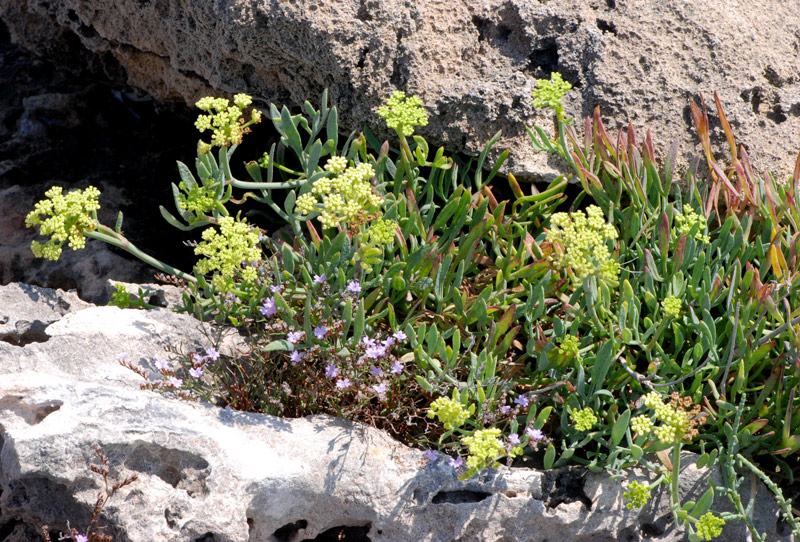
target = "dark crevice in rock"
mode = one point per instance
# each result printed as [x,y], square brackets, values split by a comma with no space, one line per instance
[290,530]
[26,333]
[460,496]
[606,26]
[180,469]
[565,486]
[344,533]
[629,534]
[544,60]
[208,537]
[32,414]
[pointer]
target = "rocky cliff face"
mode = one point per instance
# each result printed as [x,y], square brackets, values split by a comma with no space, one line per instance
[473,62]
[211,474]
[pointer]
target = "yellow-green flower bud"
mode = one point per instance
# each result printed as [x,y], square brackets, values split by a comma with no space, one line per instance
[402,113]
[485,447]
[709,526]
[642,424]
[672,306]
[69,216]
[229,253]
[583,419]
[636,495]
[549,93]
[449,411]
[687,220]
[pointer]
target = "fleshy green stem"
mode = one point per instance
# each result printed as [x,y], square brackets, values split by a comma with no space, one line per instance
[107,235]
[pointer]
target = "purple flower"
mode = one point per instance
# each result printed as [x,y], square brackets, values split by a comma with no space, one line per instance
[123,356]
[295,356]
[331,371]
[161,365]
[375,371]
[368,341]
[381,388]
[81,538]
[229,299]
[456,462]
[176,382]
[275,288]
[212,354]
[319,332]
[354,287]
[521,401]
[294,337]
[431,455]
[397,368]
[268,308]
[400,336]
[513,439]
[319,279]
[505,409]
[535,434]
[388,342]
[375,351]
[196,372]
[343,383]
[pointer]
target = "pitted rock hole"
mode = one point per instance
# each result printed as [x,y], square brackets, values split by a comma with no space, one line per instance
[564,487]
[31,414]
[180,469]
[344,533]
[629,534]
[208,537]
[460,496]
[289,531]
[26,332]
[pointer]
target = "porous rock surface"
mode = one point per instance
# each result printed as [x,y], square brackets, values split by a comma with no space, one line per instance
[212,474]
[473,62]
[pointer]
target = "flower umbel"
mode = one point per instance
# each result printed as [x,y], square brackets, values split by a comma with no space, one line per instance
[403,113]
[709,526]
[450,412]
[485,447]
[549,93]
[672,306]
[582,242]
[225,251]
[637,495]
[225,120]
[583,419]
[69,217]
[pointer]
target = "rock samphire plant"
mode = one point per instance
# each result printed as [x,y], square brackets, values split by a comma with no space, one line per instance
[484,319]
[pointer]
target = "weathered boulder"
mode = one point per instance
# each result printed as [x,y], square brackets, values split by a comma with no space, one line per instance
[212,474]
[473,62]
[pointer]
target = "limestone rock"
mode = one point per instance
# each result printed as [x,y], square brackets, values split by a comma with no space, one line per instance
[211,474]
[473,62]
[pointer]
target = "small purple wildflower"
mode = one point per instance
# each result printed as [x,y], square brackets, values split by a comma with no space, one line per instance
[375,371]
[368,341]
[521,401]
[431,455]
[397,368]
[212,354]
[319,332]
[275,288]
[161,365]
[354,287]
[196,372]
[400,336]
[331,371]
[229,299]
[81,538]
[375,351]
[295,356]
[319,279]
[381,388]
[505,409]
[268,308]
[388,342]
[456,462]
[294,337]
[123,356]
[176,382]
[513,439]
[535,434]
[343,383]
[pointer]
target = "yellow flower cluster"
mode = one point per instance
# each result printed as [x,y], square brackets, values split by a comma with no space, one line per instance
[450,412]
[675,425]
[402,113]
[642,424]
[583,237]
[549,93]
[224,119]
[687,220]
[583,419]
[345,197]
[199,199]
[672,306]
[69,217]
[226,251]
[382,232]
[485,447]
[637,495]
[569,347]
[709,526]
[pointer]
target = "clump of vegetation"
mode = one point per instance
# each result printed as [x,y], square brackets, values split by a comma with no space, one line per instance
[484,319]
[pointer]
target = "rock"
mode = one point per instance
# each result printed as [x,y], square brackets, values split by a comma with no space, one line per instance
[206,473]
[473,62]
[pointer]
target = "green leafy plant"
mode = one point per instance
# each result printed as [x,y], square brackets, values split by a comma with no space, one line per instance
[464,311]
